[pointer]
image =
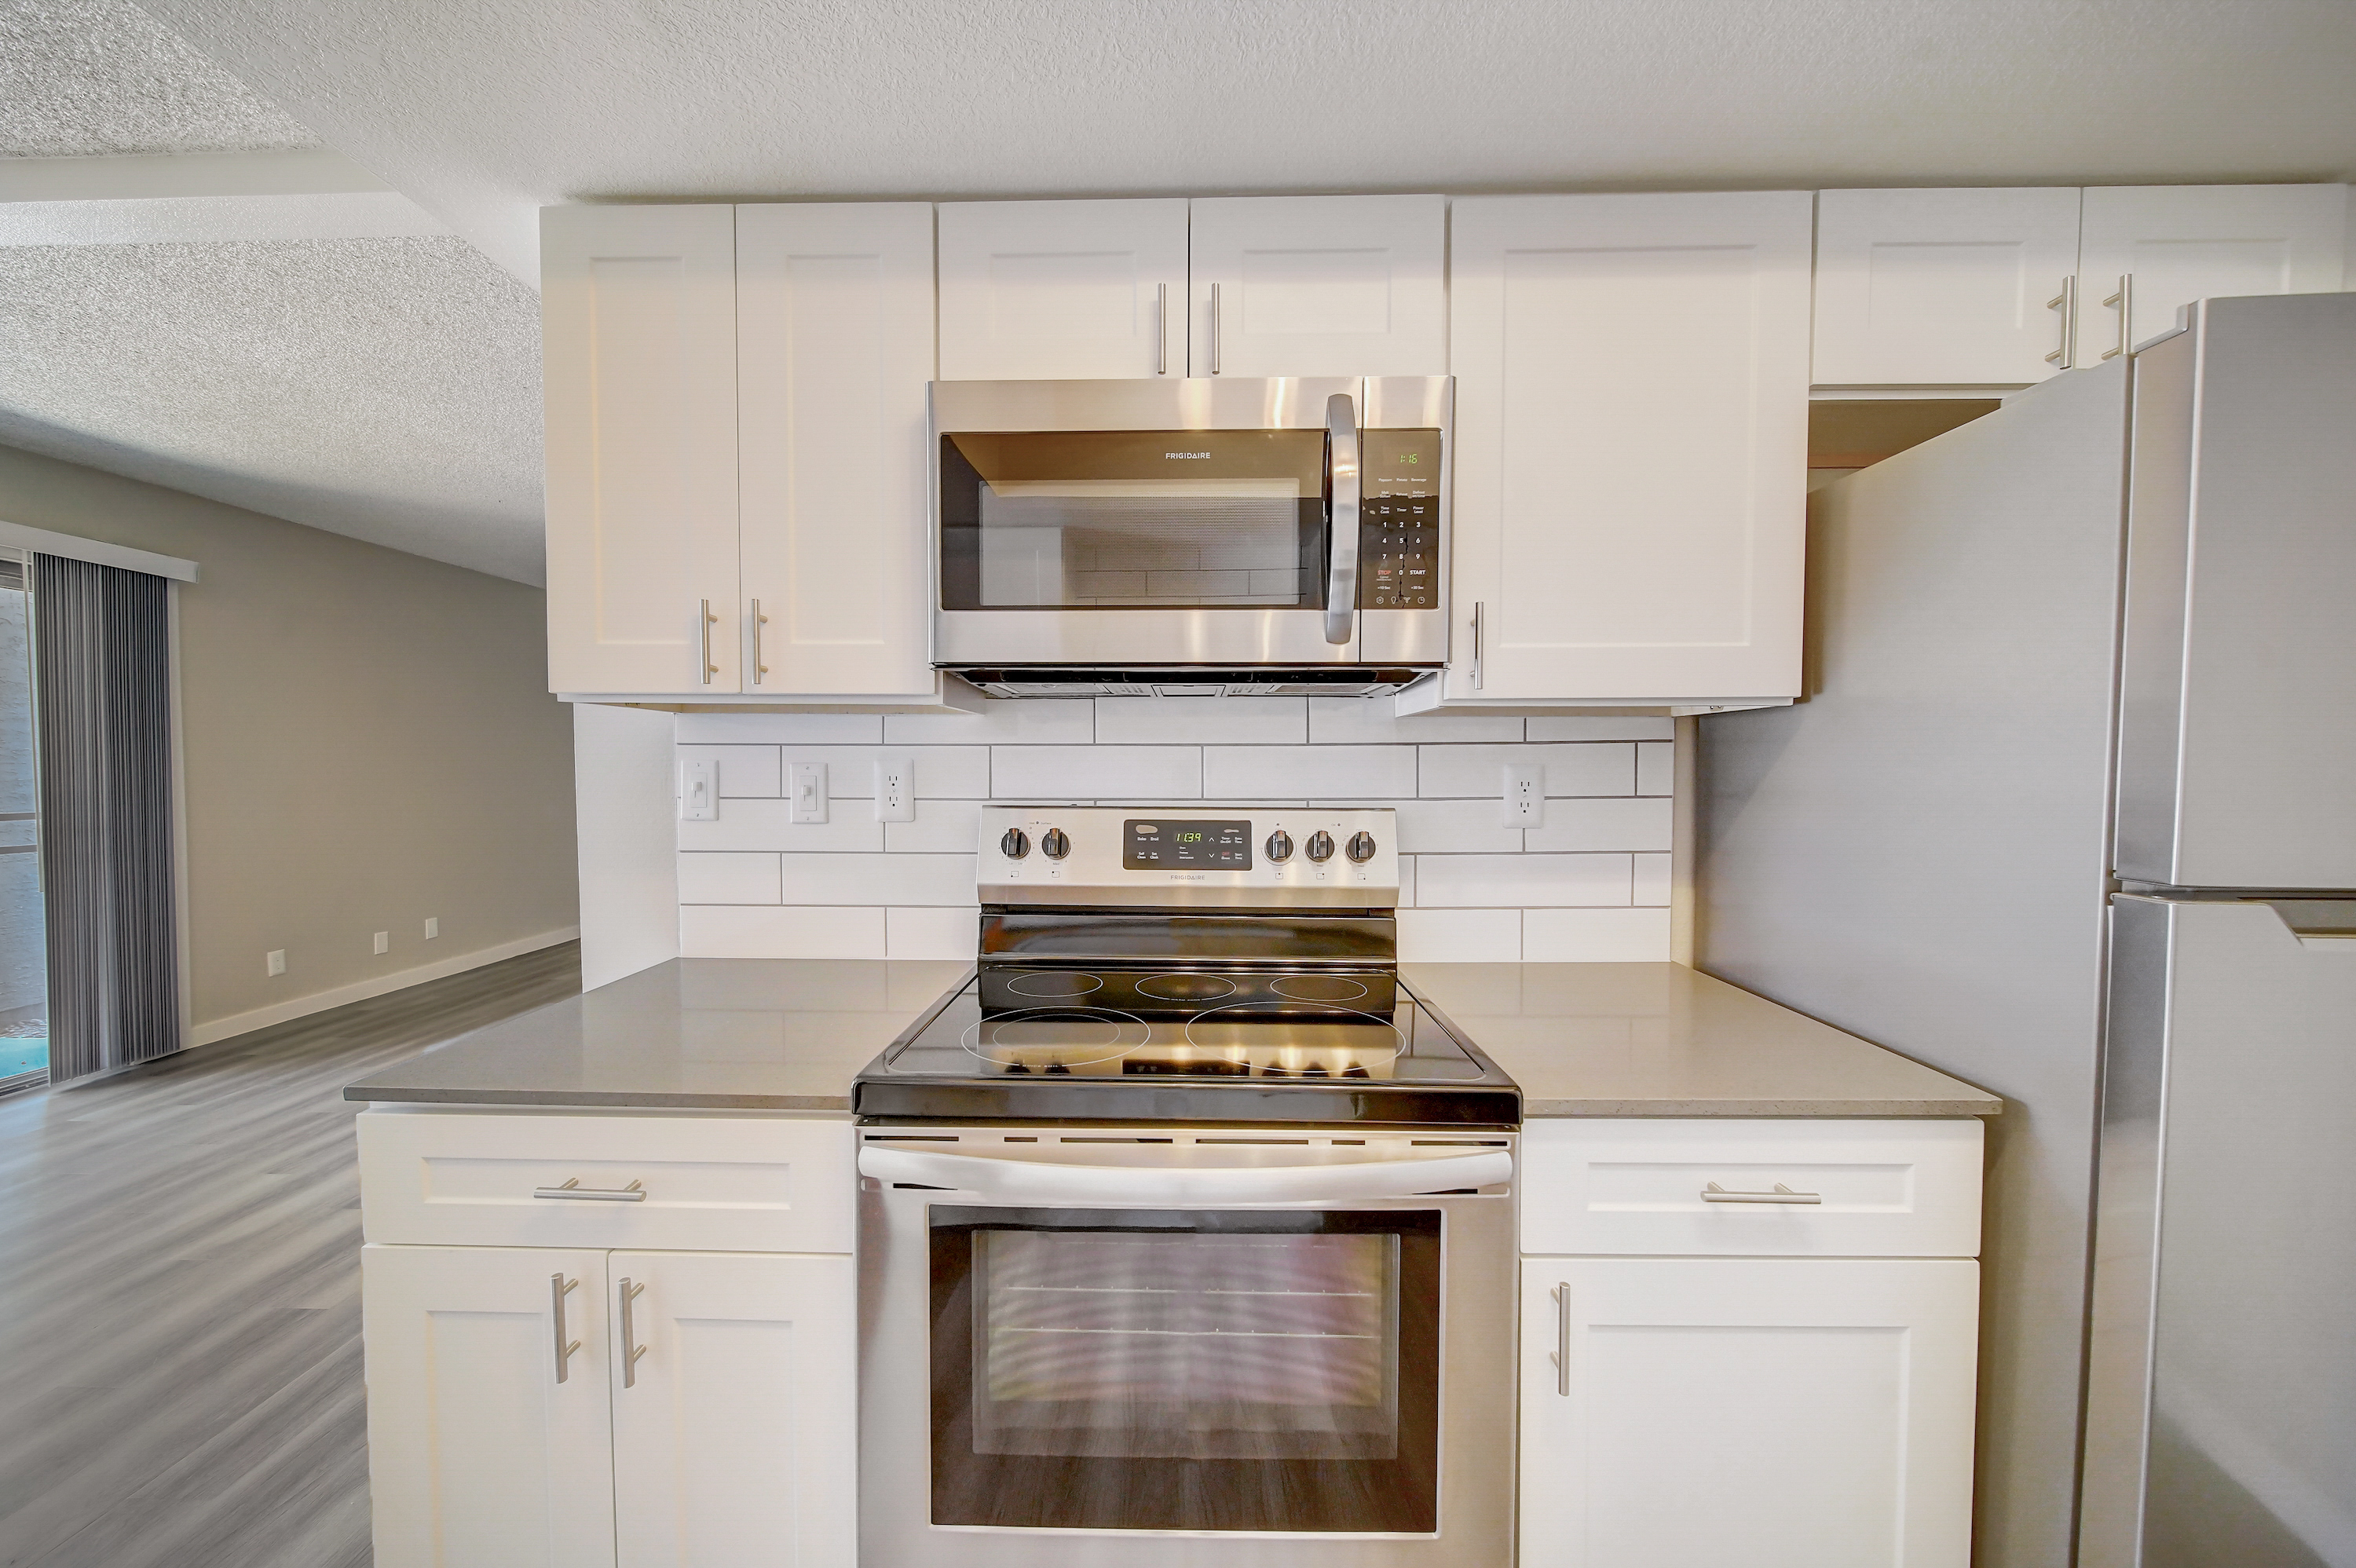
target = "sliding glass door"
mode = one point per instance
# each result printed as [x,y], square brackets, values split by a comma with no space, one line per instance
[24,985]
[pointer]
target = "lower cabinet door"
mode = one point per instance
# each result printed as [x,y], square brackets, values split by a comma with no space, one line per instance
[1700,1412]
[487,1412]
[735,1403]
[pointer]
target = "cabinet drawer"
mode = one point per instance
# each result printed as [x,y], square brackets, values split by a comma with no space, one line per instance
[710,1183]
[1900,1188]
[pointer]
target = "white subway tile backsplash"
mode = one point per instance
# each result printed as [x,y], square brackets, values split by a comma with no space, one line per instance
[932,932]
[1056,721]
[1601,822]
[1369,721]
[879,878]
[1332,773]
[1656,768]
[942,827]
[744,771]
[772,729]
[1652,885]
[849,828]
[943,773]
[1202,720]
[1448,826]
[1595,936]
[1407,881]
[1095,773]
[726,877]
[1578,768]
[779,931]
[1524,882]
[1590,727]
[1460,935]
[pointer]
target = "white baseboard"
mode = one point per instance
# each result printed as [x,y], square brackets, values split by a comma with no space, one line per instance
[376,986]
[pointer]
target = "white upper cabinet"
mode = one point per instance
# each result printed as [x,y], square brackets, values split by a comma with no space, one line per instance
[638,324]
[1632,391]
[2149,250]
[1319,285]
[1942,288]
[1063,290]
[834,320]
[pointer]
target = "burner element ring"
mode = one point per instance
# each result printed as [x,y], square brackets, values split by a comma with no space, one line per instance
[1320,1046]
[1183,986]
[1040,1040]
[1318,988]
[1054,983]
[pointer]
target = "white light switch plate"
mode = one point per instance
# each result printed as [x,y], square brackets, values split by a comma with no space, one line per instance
[1525,795]
[808,797]
[896,789]
[699,791]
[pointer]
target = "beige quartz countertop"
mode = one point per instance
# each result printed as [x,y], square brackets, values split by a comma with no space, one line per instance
[1660,1040]
[1582,1040]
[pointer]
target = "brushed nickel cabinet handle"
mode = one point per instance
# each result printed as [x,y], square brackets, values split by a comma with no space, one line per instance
[1714,1193]
[634,1192]
[1161,329]
[558,1288]
[1215,329]
[759,621]
[631,1349]
[2124,299]
[2066,302]
[705,620]
[1477,671]
[1561,1294]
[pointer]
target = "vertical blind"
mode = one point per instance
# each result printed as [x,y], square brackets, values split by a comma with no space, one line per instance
[101,686]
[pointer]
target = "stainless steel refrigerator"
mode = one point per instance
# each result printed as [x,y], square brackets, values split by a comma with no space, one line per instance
[2069,811]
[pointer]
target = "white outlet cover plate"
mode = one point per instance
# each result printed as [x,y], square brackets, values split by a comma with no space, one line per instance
[1524,795]
[896,789]
[806,793]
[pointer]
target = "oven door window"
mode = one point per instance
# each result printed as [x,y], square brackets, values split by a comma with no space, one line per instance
[1149,1369]
[1134,520]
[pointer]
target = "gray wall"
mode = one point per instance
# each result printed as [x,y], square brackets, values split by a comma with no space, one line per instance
[368,741]
[1917,851]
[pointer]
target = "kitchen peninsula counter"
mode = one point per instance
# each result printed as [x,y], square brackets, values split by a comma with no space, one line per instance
[1582,1040]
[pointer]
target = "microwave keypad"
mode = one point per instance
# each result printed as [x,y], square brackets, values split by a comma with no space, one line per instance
[1398,520]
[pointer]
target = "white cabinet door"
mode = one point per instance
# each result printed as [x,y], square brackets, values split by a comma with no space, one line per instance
[478,1456]
[1632,405]
[1319,285]
[1942,288]
[638,334]
[1063,290]
[1772,1412]
[2172,244]
[734,1430]
[834,313]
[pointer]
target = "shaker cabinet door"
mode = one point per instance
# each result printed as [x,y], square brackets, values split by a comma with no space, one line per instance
[834,318]
[638,330]
[736,1402]
[479,1455]
[1319,285]
[2146,250]
[1063,290]
[1631,402]
[1688,1412]
[1943,288]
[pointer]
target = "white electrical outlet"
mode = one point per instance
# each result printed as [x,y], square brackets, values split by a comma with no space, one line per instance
[808,793]
[1525,795]
[433,926]
[275,961]
[699,791]
[384,941]
[896,789]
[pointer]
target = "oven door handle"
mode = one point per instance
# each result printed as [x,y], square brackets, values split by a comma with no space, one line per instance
[1038,1182]
[1342,521]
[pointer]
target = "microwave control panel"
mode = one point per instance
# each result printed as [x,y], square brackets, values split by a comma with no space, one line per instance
[1398,519]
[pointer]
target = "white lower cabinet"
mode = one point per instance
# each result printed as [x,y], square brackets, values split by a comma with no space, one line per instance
[1772,1412]
[509,1427]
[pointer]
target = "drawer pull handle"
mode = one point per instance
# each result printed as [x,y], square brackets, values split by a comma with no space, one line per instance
[1714,1193]
[634,1193]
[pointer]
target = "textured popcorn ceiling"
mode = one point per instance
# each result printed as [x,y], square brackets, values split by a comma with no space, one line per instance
[85,77]
[388,389]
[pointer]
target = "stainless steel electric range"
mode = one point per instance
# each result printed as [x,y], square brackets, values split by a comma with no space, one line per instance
[1186,1228]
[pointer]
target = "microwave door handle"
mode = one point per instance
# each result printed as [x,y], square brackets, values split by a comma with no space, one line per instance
[1342,523]
[1042,1182]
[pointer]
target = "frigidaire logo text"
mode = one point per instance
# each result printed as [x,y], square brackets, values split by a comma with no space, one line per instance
[1185,454]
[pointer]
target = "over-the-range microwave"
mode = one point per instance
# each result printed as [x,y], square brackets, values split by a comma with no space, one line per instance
[1195,535]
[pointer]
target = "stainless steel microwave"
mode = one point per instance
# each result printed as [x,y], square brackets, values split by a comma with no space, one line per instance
[1212,535]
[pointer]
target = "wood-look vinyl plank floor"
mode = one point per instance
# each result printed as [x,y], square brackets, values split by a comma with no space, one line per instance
[180,1292]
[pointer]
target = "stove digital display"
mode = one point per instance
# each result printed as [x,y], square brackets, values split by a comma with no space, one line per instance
[1163,844]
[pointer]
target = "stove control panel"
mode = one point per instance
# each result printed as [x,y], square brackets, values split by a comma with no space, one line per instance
[1259,857]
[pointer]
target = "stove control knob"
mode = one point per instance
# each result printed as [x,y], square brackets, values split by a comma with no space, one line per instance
[1016,843]
[1053,844]
[1320,846]
[1279,847]
[1362,848]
